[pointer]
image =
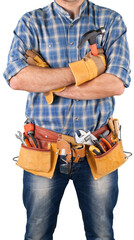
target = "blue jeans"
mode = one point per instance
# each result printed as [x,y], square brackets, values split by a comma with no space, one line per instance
[97,199]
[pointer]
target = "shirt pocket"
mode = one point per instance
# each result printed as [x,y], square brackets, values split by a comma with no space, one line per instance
[55,53]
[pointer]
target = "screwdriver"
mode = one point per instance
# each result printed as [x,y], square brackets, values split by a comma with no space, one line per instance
[26,141]
[111,125]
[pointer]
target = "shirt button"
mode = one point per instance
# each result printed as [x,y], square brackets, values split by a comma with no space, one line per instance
[49,45]
[71,25]
[71,43]
[76,119]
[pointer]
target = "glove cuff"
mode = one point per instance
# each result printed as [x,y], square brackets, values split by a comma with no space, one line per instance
[86,70]
[50,95]
[83,71]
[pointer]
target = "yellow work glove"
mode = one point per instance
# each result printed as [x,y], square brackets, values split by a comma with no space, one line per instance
[33,58]
[89,67]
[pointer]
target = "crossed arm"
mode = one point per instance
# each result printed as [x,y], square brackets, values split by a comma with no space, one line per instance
[38,79]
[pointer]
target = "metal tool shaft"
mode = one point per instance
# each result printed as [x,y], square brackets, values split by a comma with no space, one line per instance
[20,137]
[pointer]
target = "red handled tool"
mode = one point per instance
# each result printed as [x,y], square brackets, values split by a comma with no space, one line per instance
[91,38]
[29,130]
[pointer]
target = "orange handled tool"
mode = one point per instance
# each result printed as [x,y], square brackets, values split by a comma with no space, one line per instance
[29,130]
[105,141]
[27,141]
[91,38]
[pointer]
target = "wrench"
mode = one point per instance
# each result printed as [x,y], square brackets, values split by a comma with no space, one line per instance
[20,137]
[85,138]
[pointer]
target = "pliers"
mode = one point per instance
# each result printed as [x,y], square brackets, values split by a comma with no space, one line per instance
[105,141]
[29,130]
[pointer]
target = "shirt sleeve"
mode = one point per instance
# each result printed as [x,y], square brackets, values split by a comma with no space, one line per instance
[117,50]
[25,37]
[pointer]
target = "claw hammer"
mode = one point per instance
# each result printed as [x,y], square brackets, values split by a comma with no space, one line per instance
[91,38]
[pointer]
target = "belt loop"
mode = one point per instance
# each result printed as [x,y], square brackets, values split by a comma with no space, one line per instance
[78,153]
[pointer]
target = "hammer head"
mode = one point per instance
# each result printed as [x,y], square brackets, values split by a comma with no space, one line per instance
[91,37]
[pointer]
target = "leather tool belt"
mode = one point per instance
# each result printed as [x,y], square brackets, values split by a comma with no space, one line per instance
[42,160]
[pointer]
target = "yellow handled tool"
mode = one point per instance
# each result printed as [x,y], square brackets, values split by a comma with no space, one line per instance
[95,150]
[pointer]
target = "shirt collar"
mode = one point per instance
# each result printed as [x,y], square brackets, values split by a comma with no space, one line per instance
[64,13]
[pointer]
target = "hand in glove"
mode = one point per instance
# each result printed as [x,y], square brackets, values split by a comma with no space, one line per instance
[89,67]
[33,58]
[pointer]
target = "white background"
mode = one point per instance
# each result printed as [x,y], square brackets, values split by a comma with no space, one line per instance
[12,116]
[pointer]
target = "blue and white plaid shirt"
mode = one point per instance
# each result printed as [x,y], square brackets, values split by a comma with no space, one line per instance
[52,33]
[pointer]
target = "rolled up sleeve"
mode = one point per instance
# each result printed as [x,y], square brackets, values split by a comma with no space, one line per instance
[24,38]
[117,50]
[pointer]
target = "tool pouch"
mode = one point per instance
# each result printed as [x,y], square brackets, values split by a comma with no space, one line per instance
[41,162]
[107,162]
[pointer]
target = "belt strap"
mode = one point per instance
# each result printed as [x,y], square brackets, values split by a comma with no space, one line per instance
[54,136]
[65,144]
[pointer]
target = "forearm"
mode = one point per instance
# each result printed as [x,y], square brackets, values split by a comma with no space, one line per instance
[105,85]
[38,79]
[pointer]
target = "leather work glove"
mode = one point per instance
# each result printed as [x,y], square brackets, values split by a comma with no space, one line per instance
[89,67]
[33,58]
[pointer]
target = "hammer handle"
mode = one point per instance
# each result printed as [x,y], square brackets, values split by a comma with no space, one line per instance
[94,50]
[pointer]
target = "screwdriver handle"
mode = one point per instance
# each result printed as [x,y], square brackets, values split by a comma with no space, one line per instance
[27,142]
[116,126]
[110,124]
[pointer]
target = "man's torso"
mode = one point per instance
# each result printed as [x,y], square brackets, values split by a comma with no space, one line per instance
[58,37]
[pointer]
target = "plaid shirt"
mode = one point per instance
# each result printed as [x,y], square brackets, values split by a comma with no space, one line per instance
[51,32]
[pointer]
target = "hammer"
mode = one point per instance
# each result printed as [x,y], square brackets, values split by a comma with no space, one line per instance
[91,38]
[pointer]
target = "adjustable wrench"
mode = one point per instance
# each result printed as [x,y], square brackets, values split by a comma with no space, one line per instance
[84,137]
[87,138]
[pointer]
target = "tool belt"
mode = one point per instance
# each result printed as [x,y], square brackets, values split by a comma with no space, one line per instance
[42,160]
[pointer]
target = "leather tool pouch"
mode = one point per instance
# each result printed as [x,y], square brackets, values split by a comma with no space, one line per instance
[32,159]
[39,161]
[42,160]
[107,162]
